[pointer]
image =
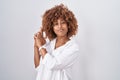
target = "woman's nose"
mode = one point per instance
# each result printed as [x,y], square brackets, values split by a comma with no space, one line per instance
[59,25]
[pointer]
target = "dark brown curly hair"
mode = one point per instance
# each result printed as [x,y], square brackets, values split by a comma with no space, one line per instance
[53,14]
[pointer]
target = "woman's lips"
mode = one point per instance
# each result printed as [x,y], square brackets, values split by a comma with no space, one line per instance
[60,30]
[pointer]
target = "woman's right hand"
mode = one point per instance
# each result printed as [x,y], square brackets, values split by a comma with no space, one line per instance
[39,40]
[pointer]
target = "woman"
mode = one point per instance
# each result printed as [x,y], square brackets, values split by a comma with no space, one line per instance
[54,59]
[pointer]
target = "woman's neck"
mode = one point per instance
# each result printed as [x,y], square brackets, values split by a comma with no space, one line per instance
[61,41]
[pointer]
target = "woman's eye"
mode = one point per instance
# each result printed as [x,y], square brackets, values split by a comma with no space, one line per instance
[55,23]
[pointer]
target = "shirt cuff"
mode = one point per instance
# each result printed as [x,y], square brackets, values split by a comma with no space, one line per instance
[46,58]
[44,46]
[37,68]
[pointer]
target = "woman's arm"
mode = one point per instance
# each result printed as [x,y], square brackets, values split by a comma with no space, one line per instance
[36,57]
[64,60]
[38,42]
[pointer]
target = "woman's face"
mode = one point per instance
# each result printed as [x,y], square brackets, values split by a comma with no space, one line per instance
[60,28]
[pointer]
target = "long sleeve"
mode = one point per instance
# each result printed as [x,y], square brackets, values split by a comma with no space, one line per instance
[47,45]
[65,59]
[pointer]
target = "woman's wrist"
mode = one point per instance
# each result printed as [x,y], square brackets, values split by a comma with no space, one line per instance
[43,46]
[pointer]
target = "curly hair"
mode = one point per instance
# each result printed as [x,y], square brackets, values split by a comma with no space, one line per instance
[53,14]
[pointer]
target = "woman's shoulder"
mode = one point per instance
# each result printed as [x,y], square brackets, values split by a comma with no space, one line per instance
[72,44]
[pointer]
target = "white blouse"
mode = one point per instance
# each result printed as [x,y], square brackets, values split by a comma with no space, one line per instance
[57,63]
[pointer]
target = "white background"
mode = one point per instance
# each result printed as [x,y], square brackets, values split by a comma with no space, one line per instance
[98,37]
